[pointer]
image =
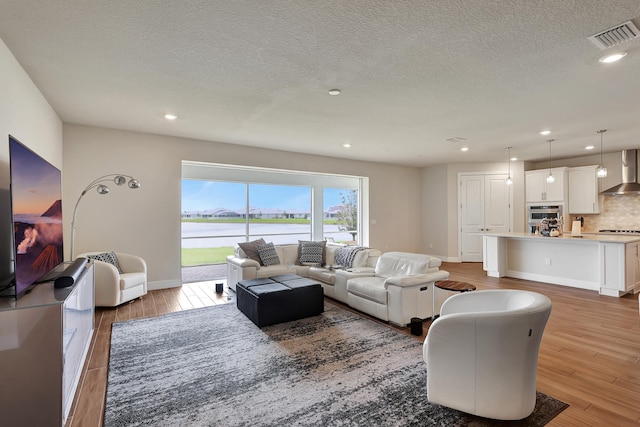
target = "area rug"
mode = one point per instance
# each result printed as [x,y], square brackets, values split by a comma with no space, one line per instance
[213,367]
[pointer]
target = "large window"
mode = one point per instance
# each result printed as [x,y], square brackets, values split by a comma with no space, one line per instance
[340,213]
[223,205]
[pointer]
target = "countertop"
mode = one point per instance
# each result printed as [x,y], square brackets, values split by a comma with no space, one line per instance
[586,237]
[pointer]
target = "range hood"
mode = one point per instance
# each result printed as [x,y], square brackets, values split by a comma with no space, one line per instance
[629,176]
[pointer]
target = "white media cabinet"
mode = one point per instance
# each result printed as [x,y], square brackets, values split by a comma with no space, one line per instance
[44,340]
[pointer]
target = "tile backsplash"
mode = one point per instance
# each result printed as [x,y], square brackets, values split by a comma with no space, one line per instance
[616,213]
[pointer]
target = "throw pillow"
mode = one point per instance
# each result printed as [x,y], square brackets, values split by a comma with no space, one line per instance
[109,257]
[268,254]
[346,255]
[251,249]
[312,253]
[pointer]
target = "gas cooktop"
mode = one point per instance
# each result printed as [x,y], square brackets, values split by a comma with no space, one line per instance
[620,231]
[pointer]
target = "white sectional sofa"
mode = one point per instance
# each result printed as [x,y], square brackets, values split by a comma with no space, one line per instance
[241,267]
[394,286]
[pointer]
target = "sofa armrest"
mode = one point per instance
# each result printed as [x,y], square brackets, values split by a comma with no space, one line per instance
[355,272]
[131,263]
[416,280]
[243,262]
[107,284]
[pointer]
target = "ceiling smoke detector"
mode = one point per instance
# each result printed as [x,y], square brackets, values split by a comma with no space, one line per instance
[614,36]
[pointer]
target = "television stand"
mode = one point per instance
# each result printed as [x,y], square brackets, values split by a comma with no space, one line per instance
[44,340]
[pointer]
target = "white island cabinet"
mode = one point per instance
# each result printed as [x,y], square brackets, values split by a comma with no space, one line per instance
[607,264]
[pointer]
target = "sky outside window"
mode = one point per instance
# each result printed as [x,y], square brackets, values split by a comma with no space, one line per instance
[199,195]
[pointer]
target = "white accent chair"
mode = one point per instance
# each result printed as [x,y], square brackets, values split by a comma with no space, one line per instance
[113,288]
[401,287]
[482,352]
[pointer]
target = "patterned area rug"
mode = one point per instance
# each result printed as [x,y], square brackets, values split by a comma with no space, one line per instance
[214,367]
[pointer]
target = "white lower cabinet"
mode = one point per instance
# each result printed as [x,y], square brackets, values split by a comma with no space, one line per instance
[44,340]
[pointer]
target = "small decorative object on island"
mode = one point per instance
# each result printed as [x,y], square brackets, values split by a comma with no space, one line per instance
[576,227]
[551,227]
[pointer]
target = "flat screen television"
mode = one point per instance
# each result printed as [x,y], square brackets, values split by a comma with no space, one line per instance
[36,210]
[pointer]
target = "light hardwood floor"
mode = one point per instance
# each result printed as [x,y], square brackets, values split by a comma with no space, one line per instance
[589,357]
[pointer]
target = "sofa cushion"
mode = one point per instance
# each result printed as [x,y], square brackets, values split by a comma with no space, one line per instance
[402,264]
[274,270]
[330,254]
[268,254]
[250,249]
[371,288]
[289,253]
[322,274]
[311,253]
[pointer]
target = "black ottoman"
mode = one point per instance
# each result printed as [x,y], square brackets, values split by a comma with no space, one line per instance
[279,299]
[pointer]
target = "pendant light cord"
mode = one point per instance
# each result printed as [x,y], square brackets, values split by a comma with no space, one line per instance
[550,141]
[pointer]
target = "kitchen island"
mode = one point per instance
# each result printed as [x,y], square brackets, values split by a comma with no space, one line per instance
[609,264]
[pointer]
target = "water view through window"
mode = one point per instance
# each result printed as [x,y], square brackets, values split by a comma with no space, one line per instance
[216,215]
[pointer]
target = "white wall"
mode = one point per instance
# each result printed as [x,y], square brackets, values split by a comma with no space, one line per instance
[147,221]
[25,114]
[434,202]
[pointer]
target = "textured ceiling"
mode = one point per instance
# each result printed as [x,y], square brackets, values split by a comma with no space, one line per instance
[412,73]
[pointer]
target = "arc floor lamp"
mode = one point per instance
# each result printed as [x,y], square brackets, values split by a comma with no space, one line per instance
[101,188]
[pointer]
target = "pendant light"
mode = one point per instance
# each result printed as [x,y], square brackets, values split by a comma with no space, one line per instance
[550,178]
[601,172]
[509,181]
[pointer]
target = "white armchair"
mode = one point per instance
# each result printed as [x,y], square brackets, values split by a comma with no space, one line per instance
[113,288]
[401,287]
[482,352]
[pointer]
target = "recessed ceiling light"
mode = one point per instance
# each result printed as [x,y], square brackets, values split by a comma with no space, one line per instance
[170,116]
[613,57]
[513,159]
[334,92]
[589,147]
[464,149]
[544,132]
[346,145]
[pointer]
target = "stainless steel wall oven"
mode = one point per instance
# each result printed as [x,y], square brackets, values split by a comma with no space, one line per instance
[536,213]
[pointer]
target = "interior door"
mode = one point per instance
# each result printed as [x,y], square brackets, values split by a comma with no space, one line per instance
[484,206]
[471,217]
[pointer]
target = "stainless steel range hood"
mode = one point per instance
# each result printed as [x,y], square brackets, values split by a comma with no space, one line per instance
[629,176]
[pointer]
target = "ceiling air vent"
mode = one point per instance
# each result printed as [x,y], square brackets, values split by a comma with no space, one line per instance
[616,35]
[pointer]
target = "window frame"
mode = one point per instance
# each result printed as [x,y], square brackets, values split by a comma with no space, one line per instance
[317,181]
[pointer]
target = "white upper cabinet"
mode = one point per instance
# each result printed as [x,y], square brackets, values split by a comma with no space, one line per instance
[537,189]
[583,190]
